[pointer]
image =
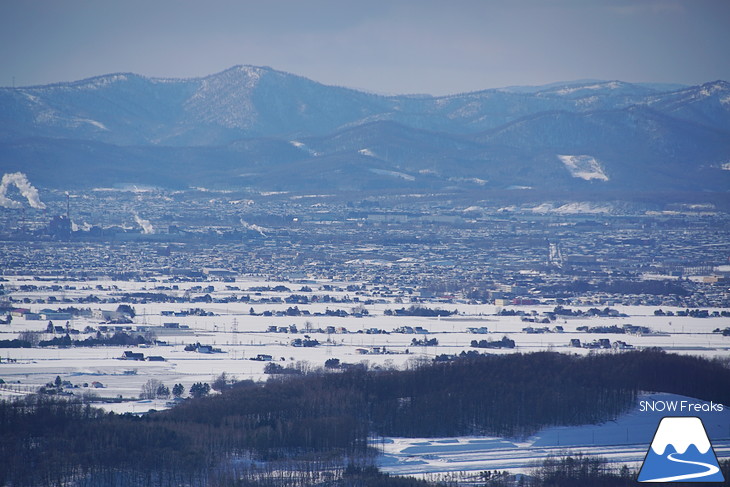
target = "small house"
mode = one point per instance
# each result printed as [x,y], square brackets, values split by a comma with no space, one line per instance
[128,355]
[482,330]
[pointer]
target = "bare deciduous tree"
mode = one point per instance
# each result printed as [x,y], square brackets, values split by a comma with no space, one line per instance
[150,388]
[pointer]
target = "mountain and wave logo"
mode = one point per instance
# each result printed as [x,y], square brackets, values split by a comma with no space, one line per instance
[680,452]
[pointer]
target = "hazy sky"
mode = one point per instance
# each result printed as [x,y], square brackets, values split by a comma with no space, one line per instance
[386,46]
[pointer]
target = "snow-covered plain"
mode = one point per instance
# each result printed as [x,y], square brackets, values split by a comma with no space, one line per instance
[242,336]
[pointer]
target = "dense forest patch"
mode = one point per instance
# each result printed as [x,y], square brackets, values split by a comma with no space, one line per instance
[327,417]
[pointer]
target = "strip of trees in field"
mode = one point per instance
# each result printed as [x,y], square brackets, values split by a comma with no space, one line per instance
[314,425]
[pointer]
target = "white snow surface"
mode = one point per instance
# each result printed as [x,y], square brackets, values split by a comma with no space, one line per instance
[367,152]
[95,123]
[395,174]
[610,85]
[583,167]
[574,207]
[479,181]
[304,147]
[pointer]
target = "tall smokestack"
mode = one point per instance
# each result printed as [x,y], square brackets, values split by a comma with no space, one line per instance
[68,206]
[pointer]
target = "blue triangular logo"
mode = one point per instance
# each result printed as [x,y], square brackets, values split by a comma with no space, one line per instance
[680,452]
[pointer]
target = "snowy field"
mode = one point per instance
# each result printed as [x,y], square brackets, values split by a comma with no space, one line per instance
[241,336]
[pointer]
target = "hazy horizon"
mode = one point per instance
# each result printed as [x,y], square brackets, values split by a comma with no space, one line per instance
[394,47]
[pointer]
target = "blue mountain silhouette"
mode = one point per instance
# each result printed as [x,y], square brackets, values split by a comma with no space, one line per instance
[670,464]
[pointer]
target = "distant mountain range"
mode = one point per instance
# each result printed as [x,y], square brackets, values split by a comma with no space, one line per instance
[261,128]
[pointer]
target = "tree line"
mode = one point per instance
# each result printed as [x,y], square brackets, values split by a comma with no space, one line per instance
[320,422]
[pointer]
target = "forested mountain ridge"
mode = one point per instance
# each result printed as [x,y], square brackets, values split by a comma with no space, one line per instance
[257,127]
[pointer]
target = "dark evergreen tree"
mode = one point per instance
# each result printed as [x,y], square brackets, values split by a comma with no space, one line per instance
[199,389]
[178,390]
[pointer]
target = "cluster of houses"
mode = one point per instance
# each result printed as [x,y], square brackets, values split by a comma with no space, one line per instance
[307,341]
[627,329]
[197,347]
[481,330]
[103,315]
[129,355]
[379,351]
[44,314]
[410,330]
[186,312]
[601,343]
[330,330]
[531,330]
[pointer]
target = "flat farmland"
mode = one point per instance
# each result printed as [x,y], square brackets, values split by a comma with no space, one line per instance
[244,325]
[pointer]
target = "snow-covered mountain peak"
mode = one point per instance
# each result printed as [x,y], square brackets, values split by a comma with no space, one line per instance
[240,71]
[715,87]
[225,98]
[103,81]
[706,90]
[92,83]
[606,85]
[595,88]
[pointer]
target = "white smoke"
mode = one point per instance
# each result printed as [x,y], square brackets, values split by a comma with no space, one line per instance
[145,225]
[84,227]
[26,189]
[254,227]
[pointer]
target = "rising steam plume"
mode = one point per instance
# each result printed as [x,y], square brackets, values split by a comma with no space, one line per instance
[26,189]
[254,227]
[145,225]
